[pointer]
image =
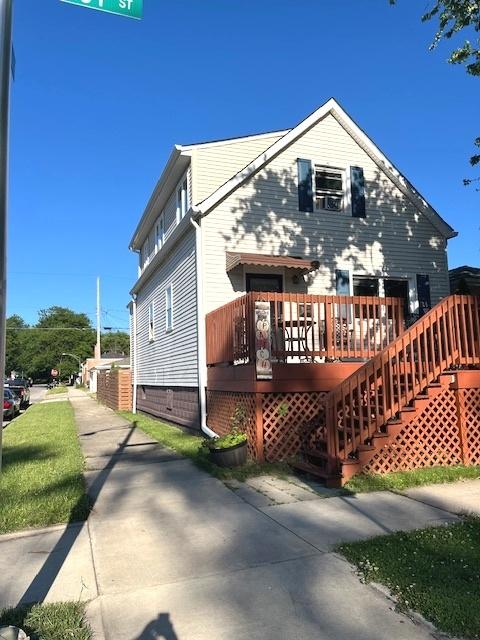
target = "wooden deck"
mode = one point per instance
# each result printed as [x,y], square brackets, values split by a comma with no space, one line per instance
[413,403]
[304,328]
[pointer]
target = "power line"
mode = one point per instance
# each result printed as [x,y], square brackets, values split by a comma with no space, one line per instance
[70,275]
[61,328]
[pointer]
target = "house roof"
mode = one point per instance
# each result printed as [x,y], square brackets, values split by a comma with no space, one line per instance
[330,107]
[223,141]
[465,270]
[174,169]
[259,259]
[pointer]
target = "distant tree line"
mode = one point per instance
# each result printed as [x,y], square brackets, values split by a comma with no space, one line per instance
[34,350]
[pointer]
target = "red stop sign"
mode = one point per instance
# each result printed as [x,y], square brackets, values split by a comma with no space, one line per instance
[54,373]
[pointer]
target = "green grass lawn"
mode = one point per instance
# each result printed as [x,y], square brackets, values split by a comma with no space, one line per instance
[41,481]
[56,390]
[188,445]
[434,571]
[401,480]
[65,620]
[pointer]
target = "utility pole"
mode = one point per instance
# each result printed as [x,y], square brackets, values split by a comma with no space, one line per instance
[98,348]
[5,65]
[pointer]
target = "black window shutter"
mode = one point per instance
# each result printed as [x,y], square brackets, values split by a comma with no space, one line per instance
[342,282]
[305,193]
[358,192]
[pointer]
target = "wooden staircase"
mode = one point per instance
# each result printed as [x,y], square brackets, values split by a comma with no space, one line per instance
[370,409]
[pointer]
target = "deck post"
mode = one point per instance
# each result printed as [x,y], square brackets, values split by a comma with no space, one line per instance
[462,426]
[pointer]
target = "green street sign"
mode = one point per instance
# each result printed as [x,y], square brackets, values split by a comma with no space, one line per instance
[129,8]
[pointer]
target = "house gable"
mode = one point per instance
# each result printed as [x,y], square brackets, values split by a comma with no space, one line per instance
[262,215]
[333,109]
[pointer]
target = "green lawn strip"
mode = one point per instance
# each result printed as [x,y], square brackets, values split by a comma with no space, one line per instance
[56,390]
[41,481]
[49,621]
[401,480]
[188,445]
[434,571]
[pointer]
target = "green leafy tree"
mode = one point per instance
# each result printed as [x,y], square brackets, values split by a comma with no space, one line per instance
[13,347]
[453,17]
[36,350]
[116,342]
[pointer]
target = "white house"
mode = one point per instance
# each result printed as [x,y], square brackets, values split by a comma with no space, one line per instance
[315,209]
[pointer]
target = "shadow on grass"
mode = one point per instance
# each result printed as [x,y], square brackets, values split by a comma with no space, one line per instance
[17,454]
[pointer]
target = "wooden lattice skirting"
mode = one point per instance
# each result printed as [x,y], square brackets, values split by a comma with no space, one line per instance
[274,421]
[446,432]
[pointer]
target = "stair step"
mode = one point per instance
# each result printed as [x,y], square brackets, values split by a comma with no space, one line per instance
[312,469]
[315,453]
[364,452]
[366,447]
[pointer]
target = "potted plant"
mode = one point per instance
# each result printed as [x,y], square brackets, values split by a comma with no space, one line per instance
[230,450]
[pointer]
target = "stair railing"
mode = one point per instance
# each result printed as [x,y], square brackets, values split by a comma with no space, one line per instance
[358,408]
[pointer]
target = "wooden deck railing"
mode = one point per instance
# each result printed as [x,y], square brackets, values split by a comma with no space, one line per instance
[304,327]
[356,410]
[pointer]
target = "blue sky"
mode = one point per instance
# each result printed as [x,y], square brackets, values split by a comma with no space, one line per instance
[99,100]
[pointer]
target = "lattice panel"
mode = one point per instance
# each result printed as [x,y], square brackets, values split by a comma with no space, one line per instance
[284,418]
[431,439]
[221,406]
[471,415]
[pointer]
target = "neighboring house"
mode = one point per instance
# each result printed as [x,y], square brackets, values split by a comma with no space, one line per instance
[91,365]
[465,280]
[316,209]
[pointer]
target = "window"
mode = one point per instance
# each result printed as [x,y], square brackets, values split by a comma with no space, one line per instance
[182,200]
[159,233]
[151,322]
[329,189]
[146,255]
[365,286]
[169,308]
[264,282]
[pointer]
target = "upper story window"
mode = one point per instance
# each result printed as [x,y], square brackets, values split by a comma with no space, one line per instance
[159,233]
[145,254]
[169,308]
[151,322]
[329,185]
[182,200]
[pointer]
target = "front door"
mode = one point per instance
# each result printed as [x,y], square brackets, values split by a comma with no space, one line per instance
[268,282]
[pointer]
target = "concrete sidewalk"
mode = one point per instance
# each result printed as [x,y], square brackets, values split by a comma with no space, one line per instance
[170,552]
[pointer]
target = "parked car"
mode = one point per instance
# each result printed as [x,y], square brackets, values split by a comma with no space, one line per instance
[11,404]
[21,388]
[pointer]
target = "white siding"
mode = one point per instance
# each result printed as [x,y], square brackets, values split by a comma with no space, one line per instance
[214,165]
[171,358]
[262,216]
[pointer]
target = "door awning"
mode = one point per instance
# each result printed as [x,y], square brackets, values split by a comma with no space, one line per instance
[261,260]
